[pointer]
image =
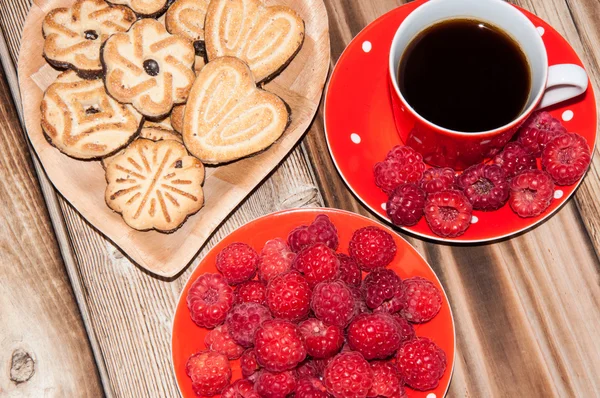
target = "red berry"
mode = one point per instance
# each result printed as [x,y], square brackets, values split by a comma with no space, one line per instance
[318,263]
[514,159]
[251,292]
[288,296]
[209,371]
[219,340]
[275,385]
[407,331]
[386,380]
[422,300]
[349,271]
[248,363]
[375,336]
[240,389]
[421,363]
[383,289]
[243,321]
[311,387]
[278,346]
[209,300]
[448,213]
[321,230]
[275,259]
[486,186]
[333,303]
[438,179]
[405,205]
[539,130]
[312,368]
[348,375]
[402,164]
[372,247]
[321,340]
[566,158]
[237,262]
[531,192]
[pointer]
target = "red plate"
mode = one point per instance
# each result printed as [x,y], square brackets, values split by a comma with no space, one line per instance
[187,338]
[360,130]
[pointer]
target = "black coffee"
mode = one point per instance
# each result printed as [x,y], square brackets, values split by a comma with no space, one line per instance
[465,75]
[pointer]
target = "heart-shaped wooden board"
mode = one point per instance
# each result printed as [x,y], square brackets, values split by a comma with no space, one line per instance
[83,183]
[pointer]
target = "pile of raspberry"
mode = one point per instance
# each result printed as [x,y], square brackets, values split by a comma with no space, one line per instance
[303,322]
[447,200]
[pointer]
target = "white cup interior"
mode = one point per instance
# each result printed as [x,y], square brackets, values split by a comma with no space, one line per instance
[496,12]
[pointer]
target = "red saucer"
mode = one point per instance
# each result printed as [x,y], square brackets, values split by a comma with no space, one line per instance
[187,338]
[360,130]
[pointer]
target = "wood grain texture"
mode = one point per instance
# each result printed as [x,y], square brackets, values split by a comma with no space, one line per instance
[526,310]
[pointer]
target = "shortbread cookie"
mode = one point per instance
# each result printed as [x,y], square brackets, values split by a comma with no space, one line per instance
[266,38]
[74,35]
[83,121]
[186,18]
[227,117]
[150,131]
[145,8]
[149,68]
[155,185]
[177,118]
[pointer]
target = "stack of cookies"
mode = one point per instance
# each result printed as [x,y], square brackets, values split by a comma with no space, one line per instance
[155,98]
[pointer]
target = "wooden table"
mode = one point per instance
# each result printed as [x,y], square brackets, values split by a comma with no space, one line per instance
[78,319]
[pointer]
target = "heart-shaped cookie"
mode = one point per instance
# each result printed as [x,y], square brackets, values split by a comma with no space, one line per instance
[266,38]
[227,117]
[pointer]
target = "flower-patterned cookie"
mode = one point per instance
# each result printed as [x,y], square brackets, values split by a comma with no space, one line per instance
[145,8]
[155,185]
[266,38]
[74,35]
[149,68]
[83,121]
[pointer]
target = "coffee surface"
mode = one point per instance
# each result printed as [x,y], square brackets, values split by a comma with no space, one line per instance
[465,75]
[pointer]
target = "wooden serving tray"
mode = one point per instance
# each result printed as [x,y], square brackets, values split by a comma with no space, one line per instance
[82,183]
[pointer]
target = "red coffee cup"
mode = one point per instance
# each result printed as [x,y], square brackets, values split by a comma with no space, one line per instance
[450,148]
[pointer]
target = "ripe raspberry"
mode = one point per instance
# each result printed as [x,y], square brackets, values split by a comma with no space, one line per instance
[209,371]
[275,259]
[243,321]
[438,179]
[386,380]
[538,131]
[321,230]
[209,299]
[321,340]
[422,300]
[333,303]
[288,296]
[372,247]
[275,385]
[278,346]
[566,158]
[349,271]
[248,363]
[251,292]
[318,263]
[421,363]
[237,262]
[407,331]
[486,186]
[531,192]
[448,213]
[219,340]
[514,159]
[240,389]
[375,336]
[348,375]
[311,387]
[312,368]
[383,289]
[405,205]
[401,165]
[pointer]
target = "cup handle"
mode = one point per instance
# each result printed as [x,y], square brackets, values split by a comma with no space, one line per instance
[565,81]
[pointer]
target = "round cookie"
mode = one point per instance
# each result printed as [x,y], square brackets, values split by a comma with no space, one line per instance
[148,68]
[145,8]
[83,121]
[155,185]
[74,35]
